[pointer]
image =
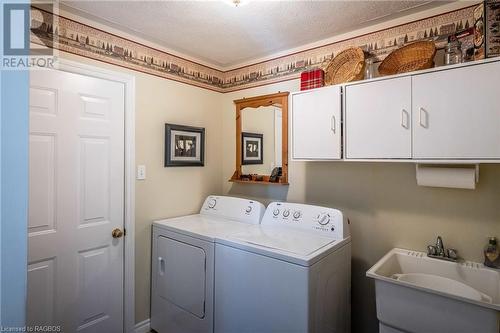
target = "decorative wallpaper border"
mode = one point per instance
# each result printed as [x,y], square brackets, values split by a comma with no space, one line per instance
[81,39]
[379,44]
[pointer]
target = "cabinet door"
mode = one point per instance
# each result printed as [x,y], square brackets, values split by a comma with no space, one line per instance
[316,124]
[457,114]
[378,119]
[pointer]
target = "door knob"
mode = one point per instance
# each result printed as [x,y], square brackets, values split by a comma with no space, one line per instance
[117,233]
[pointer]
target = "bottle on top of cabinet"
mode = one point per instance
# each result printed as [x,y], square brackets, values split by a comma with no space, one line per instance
[492,254]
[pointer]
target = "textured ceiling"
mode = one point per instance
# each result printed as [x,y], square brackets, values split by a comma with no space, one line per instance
[225,36]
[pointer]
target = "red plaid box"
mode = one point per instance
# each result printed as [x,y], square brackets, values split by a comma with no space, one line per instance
[312,79]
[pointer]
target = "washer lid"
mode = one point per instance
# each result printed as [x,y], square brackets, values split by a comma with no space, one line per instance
[290,240]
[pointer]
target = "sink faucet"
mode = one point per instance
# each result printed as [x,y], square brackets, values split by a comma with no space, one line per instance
[439,246]
[438,251]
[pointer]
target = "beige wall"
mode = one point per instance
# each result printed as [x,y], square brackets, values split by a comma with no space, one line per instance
[167,192]
[385,206]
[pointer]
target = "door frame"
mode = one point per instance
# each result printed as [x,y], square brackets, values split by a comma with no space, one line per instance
[129,181]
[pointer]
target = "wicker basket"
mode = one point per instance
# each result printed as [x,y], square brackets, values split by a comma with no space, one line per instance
[347,66]
[409,58]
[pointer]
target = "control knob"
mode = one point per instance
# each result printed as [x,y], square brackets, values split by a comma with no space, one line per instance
[323,219]
[286,213]
[297,215]
[211,203]
[248,209]
[276,212]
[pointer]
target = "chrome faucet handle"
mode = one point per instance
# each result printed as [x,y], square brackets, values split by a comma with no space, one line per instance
[431,250]
[452,254]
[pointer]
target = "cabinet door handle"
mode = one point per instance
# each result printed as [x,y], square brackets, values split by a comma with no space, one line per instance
[405,118]
[161,266]
[423,118]
[333,124]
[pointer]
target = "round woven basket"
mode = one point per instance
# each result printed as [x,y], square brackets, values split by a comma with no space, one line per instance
[347,66]
[409,58]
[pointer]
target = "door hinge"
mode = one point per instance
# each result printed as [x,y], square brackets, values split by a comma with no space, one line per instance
[124,232]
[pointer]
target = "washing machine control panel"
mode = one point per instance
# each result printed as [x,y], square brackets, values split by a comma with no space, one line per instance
[316,219]
[242,210]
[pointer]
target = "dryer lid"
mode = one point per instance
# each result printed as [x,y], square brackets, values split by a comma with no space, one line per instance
[292,241]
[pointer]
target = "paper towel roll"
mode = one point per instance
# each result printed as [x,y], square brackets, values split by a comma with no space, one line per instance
[446,176]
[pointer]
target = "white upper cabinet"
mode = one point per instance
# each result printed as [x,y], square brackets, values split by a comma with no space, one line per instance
[316,124]
[378,119]
[447,114]
[456,113]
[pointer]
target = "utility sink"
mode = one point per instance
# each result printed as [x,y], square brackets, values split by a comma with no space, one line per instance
[415,294]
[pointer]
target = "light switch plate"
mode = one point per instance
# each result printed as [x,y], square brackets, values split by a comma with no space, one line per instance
[141,172]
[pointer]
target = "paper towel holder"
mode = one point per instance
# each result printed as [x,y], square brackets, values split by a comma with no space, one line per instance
[438,175]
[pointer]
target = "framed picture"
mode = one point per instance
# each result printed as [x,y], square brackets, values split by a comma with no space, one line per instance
[251,148]
[492,28]
[184,145]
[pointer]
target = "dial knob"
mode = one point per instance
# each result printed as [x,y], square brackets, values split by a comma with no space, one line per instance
[323,219]
[212,203]
[248,209]
[286,213]
[297,214]
[276,212]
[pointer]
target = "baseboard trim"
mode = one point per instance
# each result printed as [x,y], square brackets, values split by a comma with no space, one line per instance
[142,327]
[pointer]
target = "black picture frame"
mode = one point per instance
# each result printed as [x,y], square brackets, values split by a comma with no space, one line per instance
[246,158]
[188,147]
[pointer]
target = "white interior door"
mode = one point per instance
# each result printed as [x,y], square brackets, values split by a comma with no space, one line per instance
[378,119]
[316,124]
[456,113]
[76,199]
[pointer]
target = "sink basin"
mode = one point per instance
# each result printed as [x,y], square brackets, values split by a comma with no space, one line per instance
[442,284]
[416,294]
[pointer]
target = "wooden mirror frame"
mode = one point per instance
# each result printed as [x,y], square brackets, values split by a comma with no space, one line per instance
[279,99]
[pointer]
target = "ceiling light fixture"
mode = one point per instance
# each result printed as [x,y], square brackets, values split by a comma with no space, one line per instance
[236,3]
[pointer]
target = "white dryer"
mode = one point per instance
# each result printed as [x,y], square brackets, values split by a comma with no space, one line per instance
[290,274]
[183,262]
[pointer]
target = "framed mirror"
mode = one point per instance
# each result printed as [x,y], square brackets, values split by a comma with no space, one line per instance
[262,139]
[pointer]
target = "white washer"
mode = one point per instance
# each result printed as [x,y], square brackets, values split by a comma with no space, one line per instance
[290,274]
[183,262]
